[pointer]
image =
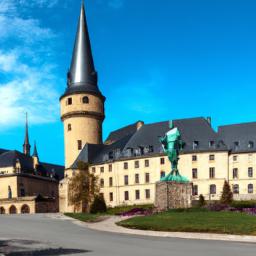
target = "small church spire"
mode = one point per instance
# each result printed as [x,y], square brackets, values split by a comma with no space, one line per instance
[26,145]
[35,152]
[82,73]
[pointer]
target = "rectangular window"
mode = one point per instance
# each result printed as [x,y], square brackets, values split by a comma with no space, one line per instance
[101,183]
[195,190]
[194,173]
[212,173]
[137,178]
[79,144]
[110,167]
[147,193]
[102,169]
[213,189]
[236,189]
[126,180]
[22,192]
[146,163]
[162,160]
[110,181]
[147,178]
[137,194]
[111,197]
[194,158]
[235,173]
[137,164]
[250,172]
[235,158]
[162,174]
[126,195]
[69,101]
[125,165]
[250,188]
[93,169]
[211,157]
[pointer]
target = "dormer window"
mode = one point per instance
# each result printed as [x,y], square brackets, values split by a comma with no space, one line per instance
[211,144]
[195,144]
[250,144]
[110,155]
[236,144]
[150,149]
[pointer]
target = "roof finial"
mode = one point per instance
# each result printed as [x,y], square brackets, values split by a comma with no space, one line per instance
[26,145]
[35,153]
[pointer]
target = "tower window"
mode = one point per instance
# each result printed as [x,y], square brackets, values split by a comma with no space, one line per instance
[69,101]
[69,127]
[85,100]
[79,144]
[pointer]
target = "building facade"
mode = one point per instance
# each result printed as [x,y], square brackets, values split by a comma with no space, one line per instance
[28,185]
[131,160]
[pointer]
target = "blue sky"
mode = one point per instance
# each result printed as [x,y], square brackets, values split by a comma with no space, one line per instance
[157,60]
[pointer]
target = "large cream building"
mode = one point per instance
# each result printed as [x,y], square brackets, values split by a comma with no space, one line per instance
[131,160]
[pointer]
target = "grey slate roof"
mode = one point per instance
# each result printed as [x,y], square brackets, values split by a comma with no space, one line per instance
[239,137]
[9,158]
[3,151]
[131,143]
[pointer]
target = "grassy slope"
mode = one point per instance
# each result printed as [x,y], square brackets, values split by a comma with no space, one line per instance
[196,221]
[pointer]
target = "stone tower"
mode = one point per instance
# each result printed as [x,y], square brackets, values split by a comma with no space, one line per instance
[82,104]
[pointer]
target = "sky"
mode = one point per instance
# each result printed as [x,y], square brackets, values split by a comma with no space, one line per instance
[157,60]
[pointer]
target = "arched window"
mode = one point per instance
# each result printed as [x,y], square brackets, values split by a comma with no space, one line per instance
[250,188]
[85,100]
[2,210]
[25,209]
[236,189]
[9,192]
[13,210]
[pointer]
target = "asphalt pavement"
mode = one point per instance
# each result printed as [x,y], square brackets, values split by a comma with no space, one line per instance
[47,235]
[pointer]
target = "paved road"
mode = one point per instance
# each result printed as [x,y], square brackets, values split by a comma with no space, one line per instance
[41,235]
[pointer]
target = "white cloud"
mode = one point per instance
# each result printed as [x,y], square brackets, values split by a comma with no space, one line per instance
[28,84]
[38,3]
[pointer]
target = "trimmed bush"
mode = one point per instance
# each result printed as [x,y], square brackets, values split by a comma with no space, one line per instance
[243,204]
[201,201]
[227,195]
[98,205]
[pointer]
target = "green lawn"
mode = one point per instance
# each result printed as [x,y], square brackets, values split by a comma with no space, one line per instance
[85,217]
[196,220]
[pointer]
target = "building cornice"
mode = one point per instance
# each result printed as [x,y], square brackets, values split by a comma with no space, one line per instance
[97,115]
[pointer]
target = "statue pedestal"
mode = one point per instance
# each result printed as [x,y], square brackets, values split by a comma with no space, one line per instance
[173,195]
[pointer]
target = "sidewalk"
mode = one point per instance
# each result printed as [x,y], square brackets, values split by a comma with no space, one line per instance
[109,225]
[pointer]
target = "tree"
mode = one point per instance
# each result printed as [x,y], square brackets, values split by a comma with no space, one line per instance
[201,202]
[227,195]
[98,205]
[83,188]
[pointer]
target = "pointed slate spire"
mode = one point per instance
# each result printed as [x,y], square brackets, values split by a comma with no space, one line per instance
[35,153]
[26,145]
[82,76]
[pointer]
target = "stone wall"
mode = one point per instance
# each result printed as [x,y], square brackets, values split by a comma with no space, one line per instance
[172,195]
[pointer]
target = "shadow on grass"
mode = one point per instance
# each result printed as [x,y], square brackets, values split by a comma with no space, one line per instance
[32,248]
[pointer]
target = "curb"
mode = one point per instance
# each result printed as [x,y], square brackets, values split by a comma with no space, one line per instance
[109,225]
